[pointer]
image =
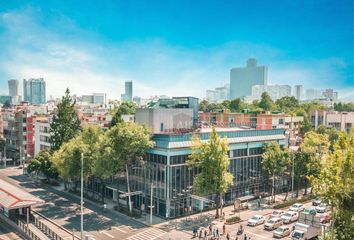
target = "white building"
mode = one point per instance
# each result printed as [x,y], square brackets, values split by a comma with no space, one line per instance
[313,93]
[219,94]
[41,135]
[275,91]
[299,92]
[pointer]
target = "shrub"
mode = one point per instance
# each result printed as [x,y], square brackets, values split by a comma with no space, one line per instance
[233,220]
[292,201]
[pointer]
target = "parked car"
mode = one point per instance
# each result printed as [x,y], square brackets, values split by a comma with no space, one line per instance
[290,217]
[317,201]
[297,207]
[273,223]
[325,218]
[277,213]
[281,231]
[310,211]
[256,220]
[323,207]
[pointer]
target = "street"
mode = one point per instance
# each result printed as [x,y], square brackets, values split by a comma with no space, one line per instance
[64,210]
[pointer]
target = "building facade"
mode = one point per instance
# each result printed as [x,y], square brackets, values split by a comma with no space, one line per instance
[275,92]
[34,91]
[219,94]
[128,93]
[299,92]
[242,79]
[168,177]
[41,135]
[342,121]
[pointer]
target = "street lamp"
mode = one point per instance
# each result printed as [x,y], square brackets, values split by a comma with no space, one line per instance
[188,192]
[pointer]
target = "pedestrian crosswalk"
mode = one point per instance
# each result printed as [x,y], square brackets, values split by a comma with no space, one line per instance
[149,234]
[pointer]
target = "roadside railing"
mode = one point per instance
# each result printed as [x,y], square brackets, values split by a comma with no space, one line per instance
[31,234]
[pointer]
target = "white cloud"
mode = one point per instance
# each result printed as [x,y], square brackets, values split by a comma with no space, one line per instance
[88,64]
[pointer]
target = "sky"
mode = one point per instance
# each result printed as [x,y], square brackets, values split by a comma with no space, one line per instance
[175,48]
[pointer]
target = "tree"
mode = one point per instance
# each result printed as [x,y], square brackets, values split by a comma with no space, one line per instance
[275,162]
[2,145]
[306,124]
[125,145]
[266,102]
[344,107]
[334,184]
[286,104]
[203,106]
[68,158]
[65,124]
[237,105]
[7,104]
[43,163]
[128,107]
[315,147]
[212,159]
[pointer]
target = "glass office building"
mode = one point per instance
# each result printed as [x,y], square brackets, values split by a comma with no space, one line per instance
[34,91]
[166,174]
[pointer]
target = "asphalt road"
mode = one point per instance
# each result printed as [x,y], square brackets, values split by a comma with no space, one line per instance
[64,209]
[9,233]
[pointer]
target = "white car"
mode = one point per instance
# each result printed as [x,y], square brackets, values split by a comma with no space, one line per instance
[290,217]
[281,231]
[322,208]
[277,213]
[273,223]
[297,207]
[256,220]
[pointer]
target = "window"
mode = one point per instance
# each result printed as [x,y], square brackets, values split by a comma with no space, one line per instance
[240,152]
[161,127]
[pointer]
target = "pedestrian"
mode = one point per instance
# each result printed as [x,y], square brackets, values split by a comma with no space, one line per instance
[210,229]
[200,234]
[214,233]
[217,233]
[228,236]
[236,237]
[245,237]
[259,203]
[205,233]
[223,229]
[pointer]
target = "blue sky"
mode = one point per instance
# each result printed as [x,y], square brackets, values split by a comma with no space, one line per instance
[175,47]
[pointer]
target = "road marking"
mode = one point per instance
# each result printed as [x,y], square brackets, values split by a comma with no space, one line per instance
[121,230]
[106,233]
[149,234]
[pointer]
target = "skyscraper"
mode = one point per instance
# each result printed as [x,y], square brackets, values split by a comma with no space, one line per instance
[128,94]
[34,90]
[243,78]
[13,87]
[298,91]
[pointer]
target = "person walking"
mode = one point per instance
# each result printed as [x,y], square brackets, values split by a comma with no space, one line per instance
[210,229]
[223,229]
[205,234]
[200,233]
[236,237]
[217,233]
[227,236]
[245,237]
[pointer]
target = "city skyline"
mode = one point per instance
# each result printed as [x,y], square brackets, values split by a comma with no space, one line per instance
[164,56]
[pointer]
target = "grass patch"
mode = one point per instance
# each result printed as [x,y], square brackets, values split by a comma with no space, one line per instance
[292,201]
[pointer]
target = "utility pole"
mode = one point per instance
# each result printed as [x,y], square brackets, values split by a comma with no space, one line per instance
[151,206]
[82,195]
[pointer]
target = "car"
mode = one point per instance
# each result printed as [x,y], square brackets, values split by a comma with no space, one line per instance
[256,220]
[317,201]
[297,207]
[323,207]
[277,213]
[325,218]
[310,211]
[281,231]
[273,223]
[290,217]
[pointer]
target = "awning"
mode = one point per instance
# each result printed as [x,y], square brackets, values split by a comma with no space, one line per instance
[12,197]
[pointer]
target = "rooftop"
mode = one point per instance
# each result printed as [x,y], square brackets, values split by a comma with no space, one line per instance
[12,197]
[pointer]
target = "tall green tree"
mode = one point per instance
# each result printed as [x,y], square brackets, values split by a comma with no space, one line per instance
[237,105]
[266,102]
[2,146]
[315,148]
[335,184]
[128,107]
[68,158]
[65,124]
[43,163]
[287,104]
[125,145]
[275,162]
[212,159]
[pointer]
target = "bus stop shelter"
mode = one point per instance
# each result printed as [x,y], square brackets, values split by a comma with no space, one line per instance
[15,203]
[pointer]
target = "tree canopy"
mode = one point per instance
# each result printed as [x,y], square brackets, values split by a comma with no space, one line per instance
[128,107]
[212,159]
[42,163]
[65,124]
